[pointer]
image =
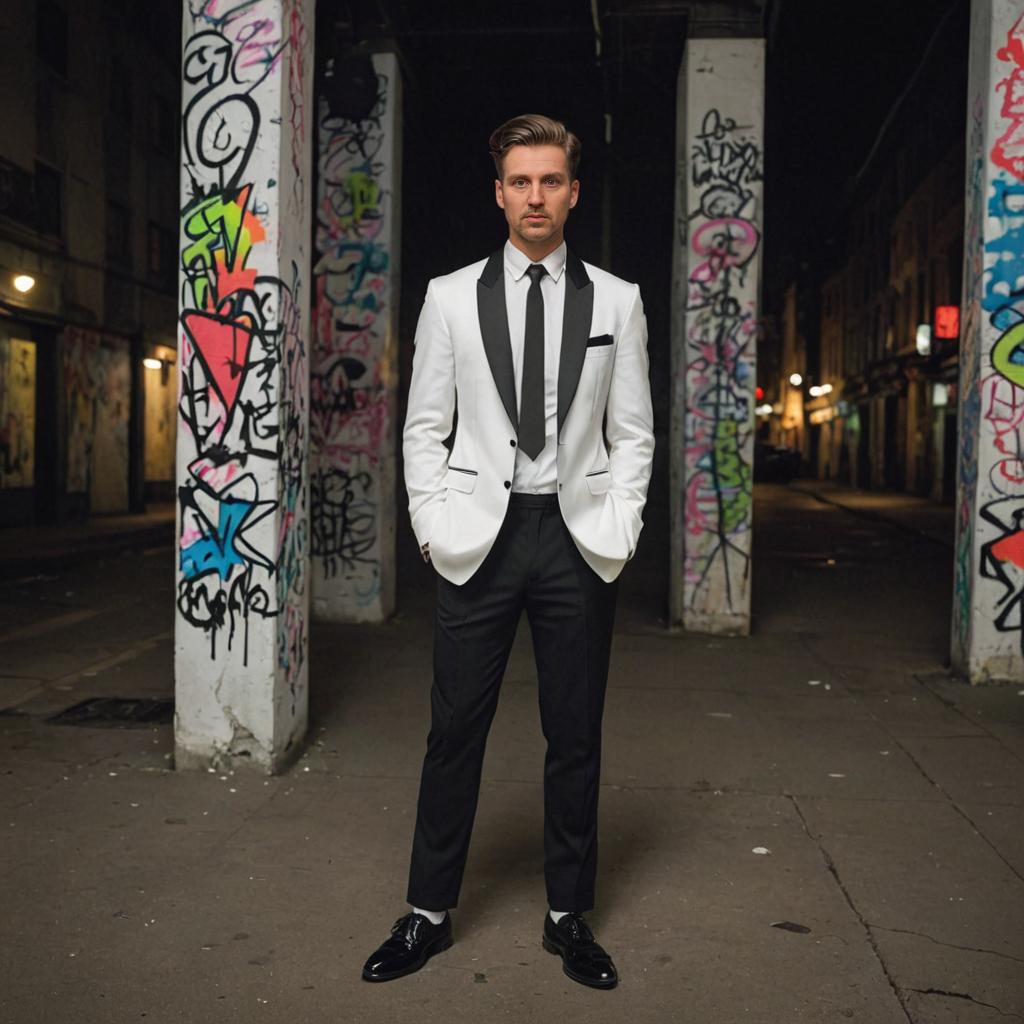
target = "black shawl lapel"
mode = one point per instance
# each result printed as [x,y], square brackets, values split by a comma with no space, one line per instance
[579,309]
[493,314]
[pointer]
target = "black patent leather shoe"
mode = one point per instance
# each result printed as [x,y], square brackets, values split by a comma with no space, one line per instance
[413,941]
[583,959]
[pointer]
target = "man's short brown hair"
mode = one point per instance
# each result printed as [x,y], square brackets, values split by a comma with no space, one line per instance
[534,130]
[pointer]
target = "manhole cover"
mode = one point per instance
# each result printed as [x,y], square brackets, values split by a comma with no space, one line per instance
[117,712]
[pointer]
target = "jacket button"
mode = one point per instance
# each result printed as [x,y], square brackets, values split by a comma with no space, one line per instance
[512,442]
[508,484]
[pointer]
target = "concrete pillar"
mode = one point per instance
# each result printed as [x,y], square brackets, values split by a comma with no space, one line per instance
[988,602]
[719,145]
[354,371]
[242,597]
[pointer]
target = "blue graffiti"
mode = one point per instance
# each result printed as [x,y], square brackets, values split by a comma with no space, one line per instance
[216,552]
[1004,280]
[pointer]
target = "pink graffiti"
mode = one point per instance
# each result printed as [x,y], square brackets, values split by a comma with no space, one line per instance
[727,242]
[296,78]
[1004,411]
[1008,151]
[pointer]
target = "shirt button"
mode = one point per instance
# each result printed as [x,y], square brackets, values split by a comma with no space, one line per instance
[508,484]
[512,442]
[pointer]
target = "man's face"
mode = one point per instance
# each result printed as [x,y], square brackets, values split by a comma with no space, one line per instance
[536,193]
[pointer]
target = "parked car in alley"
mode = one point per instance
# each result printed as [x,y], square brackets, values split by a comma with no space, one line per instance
[775,463]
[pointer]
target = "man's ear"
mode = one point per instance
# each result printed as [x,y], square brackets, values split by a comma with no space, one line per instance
[574,192]
[499,196]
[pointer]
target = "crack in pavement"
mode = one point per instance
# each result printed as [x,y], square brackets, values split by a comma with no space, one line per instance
[951,945]
[957,710]
[949,799]
[834,871]
[963,995]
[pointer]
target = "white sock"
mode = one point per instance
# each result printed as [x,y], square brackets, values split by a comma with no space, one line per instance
[556,914]
[433,916]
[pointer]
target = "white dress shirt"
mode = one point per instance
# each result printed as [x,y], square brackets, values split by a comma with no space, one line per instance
[537,476]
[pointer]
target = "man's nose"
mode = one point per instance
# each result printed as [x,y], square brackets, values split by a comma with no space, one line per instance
[536,195]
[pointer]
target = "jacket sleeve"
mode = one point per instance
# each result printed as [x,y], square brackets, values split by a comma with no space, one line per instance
[428,420]
[630,423]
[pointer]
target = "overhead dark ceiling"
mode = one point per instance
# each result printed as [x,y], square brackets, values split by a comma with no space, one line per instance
[462,33]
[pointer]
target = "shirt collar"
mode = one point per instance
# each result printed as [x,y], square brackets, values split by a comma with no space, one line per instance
[517,262]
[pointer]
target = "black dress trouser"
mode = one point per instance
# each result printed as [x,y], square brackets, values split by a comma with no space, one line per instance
[533,565]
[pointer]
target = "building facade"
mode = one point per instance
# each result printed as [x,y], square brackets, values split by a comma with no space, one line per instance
[880,302]
[88,232]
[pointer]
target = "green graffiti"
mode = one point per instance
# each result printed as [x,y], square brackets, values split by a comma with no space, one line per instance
[732,475]
[1008,355]
[364,194]
[222,233]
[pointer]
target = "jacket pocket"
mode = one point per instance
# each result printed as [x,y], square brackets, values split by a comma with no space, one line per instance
[599,482]
[463,480]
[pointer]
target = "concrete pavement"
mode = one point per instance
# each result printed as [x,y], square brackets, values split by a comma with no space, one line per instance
[931,519]
[32,549]
[811,824]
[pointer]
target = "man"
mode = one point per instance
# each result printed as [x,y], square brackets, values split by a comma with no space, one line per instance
[537,507]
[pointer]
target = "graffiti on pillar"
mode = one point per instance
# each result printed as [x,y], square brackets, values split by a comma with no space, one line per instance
[725,171]
[995,398]
[1008,151]
[970,390]
[350,414]
[243,402]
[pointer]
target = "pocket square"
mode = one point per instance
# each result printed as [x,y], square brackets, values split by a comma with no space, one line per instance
[600,339]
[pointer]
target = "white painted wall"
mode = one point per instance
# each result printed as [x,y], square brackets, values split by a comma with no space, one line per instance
[719,149]
[988,602]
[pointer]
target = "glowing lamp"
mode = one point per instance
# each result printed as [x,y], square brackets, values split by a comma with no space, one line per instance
[152,364]
[795,379]
[923,339]
[24,283]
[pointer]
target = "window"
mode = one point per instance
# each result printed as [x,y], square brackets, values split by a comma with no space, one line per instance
[118,234]
[49,205]
[162,128]
[161,252]
[52,36]
[17,199]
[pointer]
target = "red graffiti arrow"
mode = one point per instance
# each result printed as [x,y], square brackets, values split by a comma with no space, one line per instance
[223,346]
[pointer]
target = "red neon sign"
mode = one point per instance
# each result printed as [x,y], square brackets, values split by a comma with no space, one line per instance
[947,321]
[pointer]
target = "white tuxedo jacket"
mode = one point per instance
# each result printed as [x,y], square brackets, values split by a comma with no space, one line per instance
[463,361]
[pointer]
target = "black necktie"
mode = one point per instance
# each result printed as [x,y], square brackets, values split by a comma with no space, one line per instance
[531,397]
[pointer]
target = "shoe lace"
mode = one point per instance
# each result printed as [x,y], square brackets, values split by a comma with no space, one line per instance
[407,928]
[576,927]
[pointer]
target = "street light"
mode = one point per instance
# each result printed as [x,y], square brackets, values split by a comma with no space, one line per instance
[795,379]
[24,283]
